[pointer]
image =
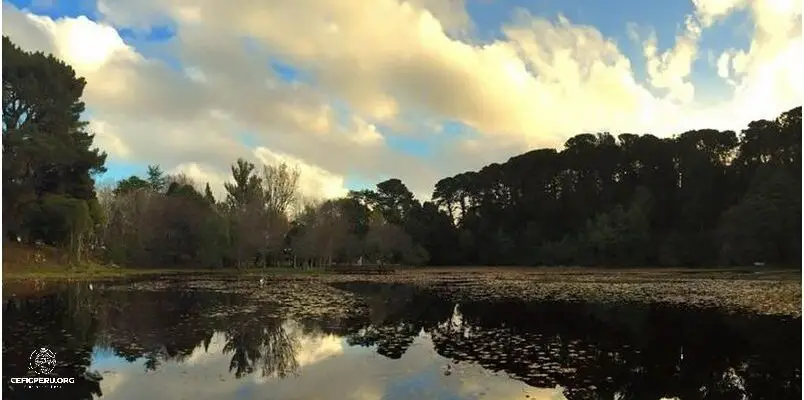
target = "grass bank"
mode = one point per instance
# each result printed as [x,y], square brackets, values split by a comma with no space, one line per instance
[94,271]
[21,262]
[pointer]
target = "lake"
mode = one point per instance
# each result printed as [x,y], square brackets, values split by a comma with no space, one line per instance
[233,338]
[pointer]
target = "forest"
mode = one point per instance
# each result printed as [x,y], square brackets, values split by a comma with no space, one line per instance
[697,199]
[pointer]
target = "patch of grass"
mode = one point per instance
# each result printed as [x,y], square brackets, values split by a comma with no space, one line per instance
[32,262]
[85,271]
[90,271]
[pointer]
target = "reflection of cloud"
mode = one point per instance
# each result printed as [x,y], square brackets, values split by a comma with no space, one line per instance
[328,372]
[201,355]
[315,349]
[111,382]
[107,363]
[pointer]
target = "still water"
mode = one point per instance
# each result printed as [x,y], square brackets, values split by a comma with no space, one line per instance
[236,339]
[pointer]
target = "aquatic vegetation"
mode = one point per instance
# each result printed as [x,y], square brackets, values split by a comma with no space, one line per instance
[581,338]
[777,294]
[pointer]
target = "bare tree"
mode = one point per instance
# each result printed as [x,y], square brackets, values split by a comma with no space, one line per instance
[106,201]
[129,223]
[387,242]
[323,234]
[303,205]
[280,186]
[331,232]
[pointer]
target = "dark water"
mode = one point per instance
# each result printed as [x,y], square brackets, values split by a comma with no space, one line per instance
[179,341]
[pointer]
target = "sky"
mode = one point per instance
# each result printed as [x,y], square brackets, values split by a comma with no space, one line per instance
[353,92]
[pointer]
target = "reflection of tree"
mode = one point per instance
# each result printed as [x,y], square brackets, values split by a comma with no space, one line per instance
[596,351]
[60,321]
[264,344]
[392,341]
[149,326]
[397,314]
[158,326]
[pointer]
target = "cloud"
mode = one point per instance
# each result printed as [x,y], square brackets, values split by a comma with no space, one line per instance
[709,11]
[724,65]
[670,69]
[765,76]
[313,180]
[577,72]
[408,63]
[362,79]
[201,174]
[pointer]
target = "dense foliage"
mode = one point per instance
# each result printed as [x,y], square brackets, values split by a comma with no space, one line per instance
[48,162]
[700,198]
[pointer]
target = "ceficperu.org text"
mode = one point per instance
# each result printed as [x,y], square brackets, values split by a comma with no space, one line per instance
[42,380]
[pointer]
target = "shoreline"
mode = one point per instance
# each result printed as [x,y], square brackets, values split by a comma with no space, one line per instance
[97,271]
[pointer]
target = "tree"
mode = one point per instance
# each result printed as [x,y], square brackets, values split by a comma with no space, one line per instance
[394,200]
[130,184]
[156,178]
[578,205]
[46,148]
[246,187]
[280,187]
[246,212]
[70,218]
[208,196]
[766,224]
[620,236]
[388,243]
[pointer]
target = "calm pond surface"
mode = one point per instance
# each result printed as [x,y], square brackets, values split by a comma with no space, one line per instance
[236,339]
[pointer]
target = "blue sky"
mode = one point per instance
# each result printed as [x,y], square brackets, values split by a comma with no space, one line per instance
[346,87]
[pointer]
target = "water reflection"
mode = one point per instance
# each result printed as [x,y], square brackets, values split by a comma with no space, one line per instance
[183,341]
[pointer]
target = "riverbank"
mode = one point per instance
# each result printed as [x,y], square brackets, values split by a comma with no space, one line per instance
[90,271]
[94,272]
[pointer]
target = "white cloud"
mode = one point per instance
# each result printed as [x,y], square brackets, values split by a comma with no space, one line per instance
[408,62]
[765,75]
[313,180]
[709,11]
[414,68]
[724,65]
[202,174]
[671,69]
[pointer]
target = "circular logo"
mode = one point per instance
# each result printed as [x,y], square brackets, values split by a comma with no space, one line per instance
[42,361]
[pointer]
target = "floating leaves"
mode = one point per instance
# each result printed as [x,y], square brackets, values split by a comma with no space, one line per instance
[775,293]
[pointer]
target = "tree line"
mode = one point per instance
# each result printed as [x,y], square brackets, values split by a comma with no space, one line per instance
[701,198]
